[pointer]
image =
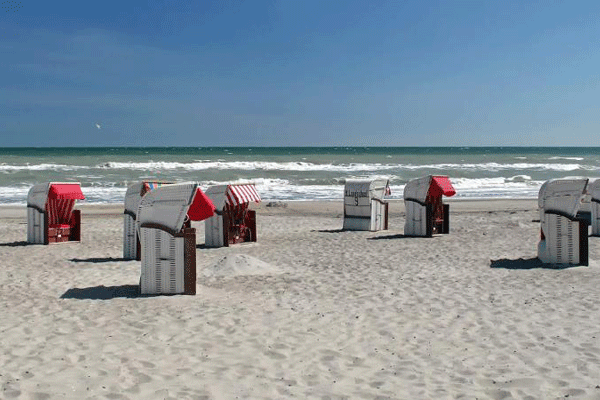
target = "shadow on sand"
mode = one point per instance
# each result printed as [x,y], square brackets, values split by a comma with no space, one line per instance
[330,230]
[16,244]
[103,292]
[526,263]
[99,260]
[398,236]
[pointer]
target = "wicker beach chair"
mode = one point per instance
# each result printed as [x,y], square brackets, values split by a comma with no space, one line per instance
[426,214]
[233,221]
[168,242]
[364,207]
[563,236]
[50,214]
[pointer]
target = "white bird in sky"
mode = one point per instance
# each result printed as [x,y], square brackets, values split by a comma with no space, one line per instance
[98,126]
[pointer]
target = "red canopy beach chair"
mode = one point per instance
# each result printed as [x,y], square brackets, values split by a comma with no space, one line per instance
[426,214]
[133,197]
[50,214]
[234,222]
[168,242]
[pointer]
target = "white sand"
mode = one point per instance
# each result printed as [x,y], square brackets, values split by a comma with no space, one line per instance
[335,315]
[239,265]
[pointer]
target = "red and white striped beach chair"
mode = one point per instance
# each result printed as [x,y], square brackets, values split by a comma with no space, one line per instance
[133,197]
[234,222]
[564,236]
[426,214]
[168,242]
[364,207]
[50,214]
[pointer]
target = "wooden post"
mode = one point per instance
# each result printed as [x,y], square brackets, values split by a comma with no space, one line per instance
[429,220]
[75,226]
[583,243]
[189,263]
[446,226]
[252,224]
[226,229]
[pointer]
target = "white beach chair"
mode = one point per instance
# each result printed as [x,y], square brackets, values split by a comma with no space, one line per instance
[425,212]
[133,197]
[233,221]
[50,214]
[168,243]
[594,191]
[364,207]
[564,237]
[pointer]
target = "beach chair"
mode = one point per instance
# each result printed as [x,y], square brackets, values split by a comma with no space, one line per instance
[168,242]
[50,214]
[364,207]
[133,197]
[594,191]
[233,221]
[563,236]
[426,214]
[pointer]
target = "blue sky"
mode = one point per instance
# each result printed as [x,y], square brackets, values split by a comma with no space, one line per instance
[299,73]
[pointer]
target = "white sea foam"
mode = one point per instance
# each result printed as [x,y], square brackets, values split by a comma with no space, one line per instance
[566,158]
[305,166]
[246,166]
[40,167]
[494,167]
[282,189]
[201,165]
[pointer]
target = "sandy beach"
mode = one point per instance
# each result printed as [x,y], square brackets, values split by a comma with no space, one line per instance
[333,315]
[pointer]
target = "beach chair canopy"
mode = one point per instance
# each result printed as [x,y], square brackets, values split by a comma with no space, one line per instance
[135,192]
[432,185]
[365,188]
[562,196]
[232,195]
[169,206]
[40,194]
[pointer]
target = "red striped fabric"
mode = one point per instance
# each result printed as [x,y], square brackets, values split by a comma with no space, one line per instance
[241,194]
[59,210]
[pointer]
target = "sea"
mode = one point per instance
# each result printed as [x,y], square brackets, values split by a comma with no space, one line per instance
[293,173]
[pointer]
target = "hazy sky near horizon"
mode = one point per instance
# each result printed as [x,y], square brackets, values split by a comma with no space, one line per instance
[299,73]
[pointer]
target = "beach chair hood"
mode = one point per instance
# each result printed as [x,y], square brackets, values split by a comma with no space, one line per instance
[232,195]
[367,189]
[168,207]
[135,192]
[39,194]
[435,185]
[562,196]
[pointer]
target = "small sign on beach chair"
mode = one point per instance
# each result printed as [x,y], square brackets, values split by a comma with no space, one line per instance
[563,235]
[426,214]
[50,214]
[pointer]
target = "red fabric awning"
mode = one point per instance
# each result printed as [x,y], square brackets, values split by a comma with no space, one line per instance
[241,194]
[202,207]
[65,191]
[440,185]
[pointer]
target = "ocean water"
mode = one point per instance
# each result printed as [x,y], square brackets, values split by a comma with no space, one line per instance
[309,173]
